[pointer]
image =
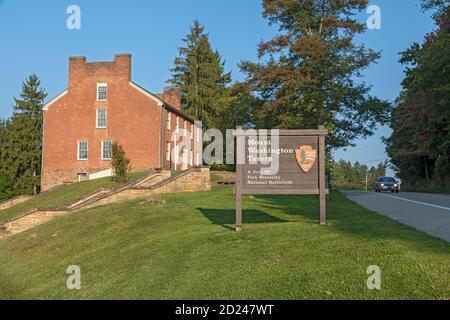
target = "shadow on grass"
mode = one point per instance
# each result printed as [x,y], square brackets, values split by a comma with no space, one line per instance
[226,217]
[350,218]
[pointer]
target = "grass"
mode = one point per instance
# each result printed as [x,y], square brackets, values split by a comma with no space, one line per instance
[61,196]
[186,249]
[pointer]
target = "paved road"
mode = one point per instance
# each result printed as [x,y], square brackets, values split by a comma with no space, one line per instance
[429,213]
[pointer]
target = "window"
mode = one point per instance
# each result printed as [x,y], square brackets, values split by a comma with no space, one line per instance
[82,150]
[175,149]
[82,177]
[101,118]
[198,134]
[197,159]
[102,92]
[192,132]
[106,150]
[169,121]
[168,152]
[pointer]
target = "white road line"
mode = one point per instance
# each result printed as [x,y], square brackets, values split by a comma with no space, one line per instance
[418,202]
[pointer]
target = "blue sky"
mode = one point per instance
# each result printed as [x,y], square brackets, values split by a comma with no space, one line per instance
[34,39]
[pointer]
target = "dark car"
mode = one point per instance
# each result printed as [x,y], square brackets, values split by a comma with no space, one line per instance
[386,184]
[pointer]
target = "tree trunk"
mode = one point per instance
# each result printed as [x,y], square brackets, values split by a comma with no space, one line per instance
[34,182]
[427,175]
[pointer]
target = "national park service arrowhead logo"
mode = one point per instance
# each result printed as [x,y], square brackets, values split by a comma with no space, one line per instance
[306,157]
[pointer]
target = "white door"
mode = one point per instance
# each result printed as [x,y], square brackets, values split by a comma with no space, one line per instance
[185,157]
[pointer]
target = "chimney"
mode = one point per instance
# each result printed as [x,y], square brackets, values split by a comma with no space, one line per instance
[172,95]
[122,64]
[76,68]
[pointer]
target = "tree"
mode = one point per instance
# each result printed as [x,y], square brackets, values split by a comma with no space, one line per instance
[308,76]
[120,163]
[24,138]
[353,176]
[238,108]
[440,6]
[420,143]
[199,72]
[6,189]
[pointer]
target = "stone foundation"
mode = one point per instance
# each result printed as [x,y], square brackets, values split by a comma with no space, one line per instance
[12,202]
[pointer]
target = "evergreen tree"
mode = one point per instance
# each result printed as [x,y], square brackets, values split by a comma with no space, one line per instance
[120,163]
[25,138]
[308,78]
[6,190]
[199,72]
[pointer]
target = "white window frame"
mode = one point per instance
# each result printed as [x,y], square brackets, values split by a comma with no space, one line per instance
[82,174]
[102,84]
[97,118]
[198,134]
[175,148]
[78,150]
[168,151]
[110,151]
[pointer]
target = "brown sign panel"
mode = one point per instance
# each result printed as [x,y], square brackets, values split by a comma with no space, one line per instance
[280,162]
[298,172]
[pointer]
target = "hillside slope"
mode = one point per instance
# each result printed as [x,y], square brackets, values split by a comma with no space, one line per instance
[61,196]
[186,249]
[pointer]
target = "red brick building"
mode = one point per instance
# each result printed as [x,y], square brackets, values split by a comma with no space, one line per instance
[101,106]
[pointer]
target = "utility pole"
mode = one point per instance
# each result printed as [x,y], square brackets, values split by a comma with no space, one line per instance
[367,180]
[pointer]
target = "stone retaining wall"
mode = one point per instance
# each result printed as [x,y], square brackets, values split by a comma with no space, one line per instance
[225,175]
[197,179]
[12,202]
[33,219]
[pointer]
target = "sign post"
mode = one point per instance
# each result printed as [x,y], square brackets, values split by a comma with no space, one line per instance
[288,162]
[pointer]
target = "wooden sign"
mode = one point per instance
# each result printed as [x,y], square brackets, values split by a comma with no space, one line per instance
[290,162]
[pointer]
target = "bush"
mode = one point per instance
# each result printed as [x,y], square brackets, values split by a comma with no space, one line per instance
[6,189]
[120,163]
[223,167]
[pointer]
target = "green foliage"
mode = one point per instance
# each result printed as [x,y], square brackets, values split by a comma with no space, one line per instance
[353,177]
[21,139]
[238,108]
[223,167]
[420,143]
[120,163]
[6,189]
[440,6]
[199,72]
[308,76]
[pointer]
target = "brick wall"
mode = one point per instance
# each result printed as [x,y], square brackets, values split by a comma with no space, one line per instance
[134,120]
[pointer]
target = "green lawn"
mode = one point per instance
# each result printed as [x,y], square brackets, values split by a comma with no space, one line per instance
[61,196]
[186,249]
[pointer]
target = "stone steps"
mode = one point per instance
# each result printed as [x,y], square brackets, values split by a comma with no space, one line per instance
[154,183]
